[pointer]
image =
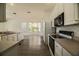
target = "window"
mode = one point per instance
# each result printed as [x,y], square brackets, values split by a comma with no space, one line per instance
[31,27]
[34,27]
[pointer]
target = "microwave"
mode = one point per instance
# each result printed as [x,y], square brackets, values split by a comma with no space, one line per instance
[59,20]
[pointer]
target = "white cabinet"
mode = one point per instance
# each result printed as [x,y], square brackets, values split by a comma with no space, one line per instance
[12,37]
[54,14]
[66,53]
[55,11]
[20,36]
[70,13]
[60,8]
[58,49]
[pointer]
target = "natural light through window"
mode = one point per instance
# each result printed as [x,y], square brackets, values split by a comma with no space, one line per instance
[31,27]
[34,27]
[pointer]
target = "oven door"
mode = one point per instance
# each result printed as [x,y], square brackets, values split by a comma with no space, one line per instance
[51,44]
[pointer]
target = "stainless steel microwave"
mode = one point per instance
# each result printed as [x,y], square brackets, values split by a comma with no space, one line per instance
[59,20]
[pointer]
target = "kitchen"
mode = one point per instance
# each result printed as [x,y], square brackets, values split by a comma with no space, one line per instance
[66,28]
[59,26]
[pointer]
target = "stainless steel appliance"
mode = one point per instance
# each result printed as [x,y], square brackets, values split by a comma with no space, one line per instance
[59,20]
[66,34]
[51,43]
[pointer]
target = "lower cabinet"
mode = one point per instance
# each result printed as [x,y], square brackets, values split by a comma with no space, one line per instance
[12,37]
[60,51]
[66,53]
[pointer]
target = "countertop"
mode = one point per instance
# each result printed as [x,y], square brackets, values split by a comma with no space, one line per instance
[7,32]
[72,46]
[6,44]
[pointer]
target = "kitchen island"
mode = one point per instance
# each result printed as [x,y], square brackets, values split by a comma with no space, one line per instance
[9,43]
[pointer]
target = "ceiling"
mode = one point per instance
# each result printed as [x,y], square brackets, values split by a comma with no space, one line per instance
[32,10]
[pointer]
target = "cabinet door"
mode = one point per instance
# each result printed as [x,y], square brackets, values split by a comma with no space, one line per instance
[12,37]
[69,13]
[58,49]
[60,8]
[55,11]
[20,36]
[66,53]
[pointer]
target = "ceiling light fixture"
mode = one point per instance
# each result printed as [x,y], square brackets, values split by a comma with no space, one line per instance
[28,12]
[14,13]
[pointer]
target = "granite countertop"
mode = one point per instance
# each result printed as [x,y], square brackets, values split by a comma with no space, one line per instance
[7,32]
[72,46]
[6,44]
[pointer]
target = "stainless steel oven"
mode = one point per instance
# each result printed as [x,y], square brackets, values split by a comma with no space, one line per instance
[51,44]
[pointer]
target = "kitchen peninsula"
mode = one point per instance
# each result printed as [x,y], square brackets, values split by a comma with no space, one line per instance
[9,42]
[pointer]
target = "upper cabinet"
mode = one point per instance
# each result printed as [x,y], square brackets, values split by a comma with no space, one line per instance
[2,12]
[58,9]
[71,13]
[58,49]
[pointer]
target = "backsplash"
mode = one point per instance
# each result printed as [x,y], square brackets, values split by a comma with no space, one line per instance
[74,28]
